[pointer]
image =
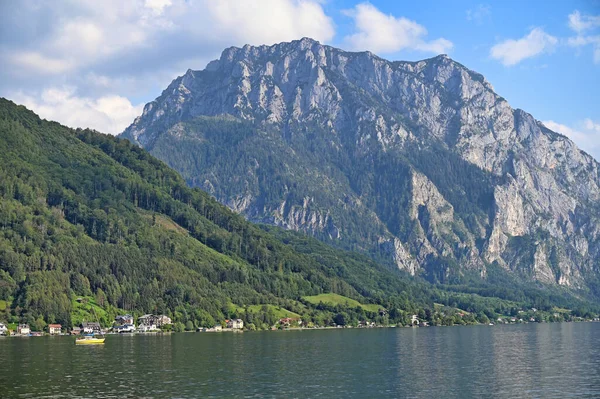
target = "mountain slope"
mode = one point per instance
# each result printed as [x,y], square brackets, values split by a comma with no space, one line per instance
[88,215]
[420,163]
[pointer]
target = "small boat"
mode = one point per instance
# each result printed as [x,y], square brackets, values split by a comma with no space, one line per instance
[89,340]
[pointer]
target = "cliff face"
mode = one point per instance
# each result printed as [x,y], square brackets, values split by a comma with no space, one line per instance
[421,162]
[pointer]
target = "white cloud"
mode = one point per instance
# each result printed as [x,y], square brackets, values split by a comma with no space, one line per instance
[479,14]
[581,23]
[107,114]
[586,134]
[269,21]
[157,6]
[31,60]
[96,31]
[511,52]
[97,45]
[592,126]
[381,33]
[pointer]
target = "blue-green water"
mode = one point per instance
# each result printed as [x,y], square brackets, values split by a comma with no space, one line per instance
[520,361]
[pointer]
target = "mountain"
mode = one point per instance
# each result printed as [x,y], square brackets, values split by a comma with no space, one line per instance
[419,164]
[90,216]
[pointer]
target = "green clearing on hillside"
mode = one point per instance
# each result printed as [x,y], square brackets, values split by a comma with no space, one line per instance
[88,310]
[335,299]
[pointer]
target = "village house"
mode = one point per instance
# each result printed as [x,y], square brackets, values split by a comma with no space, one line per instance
[147,323]
[147,327]
[146,319]
[91,328]
[217,328]
[286,322]
[125,319]
[76,330]
[125,328]
[414,320]
[153,322]
[163,320]
[235,324]
[3,329]
[23,329]
[54,329]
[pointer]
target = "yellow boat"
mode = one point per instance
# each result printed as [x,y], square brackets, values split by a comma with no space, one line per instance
[89,340]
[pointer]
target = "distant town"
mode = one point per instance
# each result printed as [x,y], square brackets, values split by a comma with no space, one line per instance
[151,323]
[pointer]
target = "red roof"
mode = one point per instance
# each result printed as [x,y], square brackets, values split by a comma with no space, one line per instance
[54,326]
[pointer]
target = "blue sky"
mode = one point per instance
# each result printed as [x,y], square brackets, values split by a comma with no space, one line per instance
[95,63]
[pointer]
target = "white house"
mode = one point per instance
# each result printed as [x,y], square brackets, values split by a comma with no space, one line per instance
[54,329]
[91,328]
[147,327]
[163,320]
[414,320]
[3,329]
[125,328]
[154,320]
[236,324]
[124,319]
[23,329]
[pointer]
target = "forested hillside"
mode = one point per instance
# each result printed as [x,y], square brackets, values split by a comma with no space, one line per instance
[88,215]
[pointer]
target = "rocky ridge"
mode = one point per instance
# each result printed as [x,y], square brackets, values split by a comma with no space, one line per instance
[344,146]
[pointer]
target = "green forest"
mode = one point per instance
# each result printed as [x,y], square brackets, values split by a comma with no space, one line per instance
[88,215]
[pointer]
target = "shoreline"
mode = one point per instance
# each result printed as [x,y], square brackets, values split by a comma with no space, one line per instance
[299,329]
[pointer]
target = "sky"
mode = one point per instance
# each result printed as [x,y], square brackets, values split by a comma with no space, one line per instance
[90,63]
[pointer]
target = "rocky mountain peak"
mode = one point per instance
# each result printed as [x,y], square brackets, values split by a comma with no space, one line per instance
[441,168]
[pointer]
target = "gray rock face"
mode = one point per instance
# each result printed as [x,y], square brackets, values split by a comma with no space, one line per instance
[542,219]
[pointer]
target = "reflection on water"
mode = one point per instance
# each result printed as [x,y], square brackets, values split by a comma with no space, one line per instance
[529,361]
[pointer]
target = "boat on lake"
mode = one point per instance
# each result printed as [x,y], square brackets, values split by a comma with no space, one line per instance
[89,340]
[88,331]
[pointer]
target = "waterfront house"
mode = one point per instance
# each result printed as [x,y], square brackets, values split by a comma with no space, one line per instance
[146,319]
[23,329]
[54,329]
[154,320]
[287,322]
[235,324]
[3,329]
[91,328]
[124,319]
[414,320]
[125,328]
[146,327]
[366,324]
[163,320]
[216,328]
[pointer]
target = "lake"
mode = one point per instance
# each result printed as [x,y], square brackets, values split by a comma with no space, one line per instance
[512,361]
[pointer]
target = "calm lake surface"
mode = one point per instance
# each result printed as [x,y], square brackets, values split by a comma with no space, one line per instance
[518,361]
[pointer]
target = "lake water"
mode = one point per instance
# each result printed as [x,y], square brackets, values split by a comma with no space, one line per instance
[517,361]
